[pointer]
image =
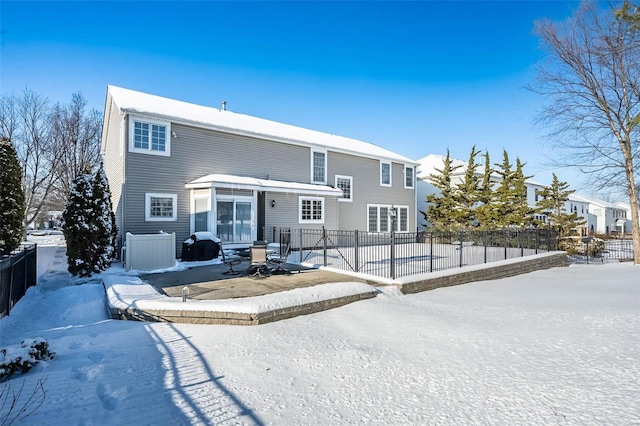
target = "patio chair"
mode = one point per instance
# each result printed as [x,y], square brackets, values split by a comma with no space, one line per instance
[280,259]
[230,262]
[258,267]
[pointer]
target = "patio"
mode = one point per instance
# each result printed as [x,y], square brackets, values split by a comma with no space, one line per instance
[210,283]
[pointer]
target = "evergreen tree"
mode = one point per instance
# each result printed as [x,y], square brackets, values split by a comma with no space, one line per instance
[107,223]
[504,191]
[442,205]
[12,202]
[552,204]
[89,224]
[467,193]
[485,210]
[521,214]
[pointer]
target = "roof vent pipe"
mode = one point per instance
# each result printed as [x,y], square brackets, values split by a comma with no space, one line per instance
[224,105]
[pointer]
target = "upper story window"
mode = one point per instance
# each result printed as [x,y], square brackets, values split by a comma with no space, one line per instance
[385,174]
[160,207]
[311,210]
[318,166]
[345,183]
[149,137]
[408,177]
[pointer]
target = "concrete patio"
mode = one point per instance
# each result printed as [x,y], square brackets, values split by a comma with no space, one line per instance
[210,283]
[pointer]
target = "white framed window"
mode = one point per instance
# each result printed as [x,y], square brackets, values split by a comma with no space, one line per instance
[378,219]
[408,177]
[149,136]
[200,210]
[160,207]
[385,173]
[311,210]
[345,183]
[318,166]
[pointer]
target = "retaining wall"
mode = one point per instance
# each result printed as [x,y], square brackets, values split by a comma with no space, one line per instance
[486,271]
[236,318]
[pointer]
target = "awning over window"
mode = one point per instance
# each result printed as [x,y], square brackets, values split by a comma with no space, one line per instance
[242,182]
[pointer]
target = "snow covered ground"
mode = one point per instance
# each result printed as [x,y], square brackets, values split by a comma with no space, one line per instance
[556,346]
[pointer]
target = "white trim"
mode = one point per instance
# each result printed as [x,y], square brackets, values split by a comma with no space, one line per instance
[241,182]
[147,207]
[303,198]
[413,177]
[326,157]
[350,179]
[390,173]
[167,125]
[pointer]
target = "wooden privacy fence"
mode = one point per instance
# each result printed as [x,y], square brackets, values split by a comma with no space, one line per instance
[395,254]
[18,272]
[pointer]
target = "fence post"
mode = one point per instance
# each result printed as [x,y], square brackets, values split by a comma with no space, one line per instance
[431,251]
[324,245]
[393,254]
[301,240]
[506,238]
[486,242]
[356,258]
[521,242]
[460,240]
[537,240]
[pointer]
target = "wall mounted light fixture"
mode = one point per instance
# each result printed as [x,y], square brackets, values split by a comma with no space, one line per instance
[173,134]
[273,203]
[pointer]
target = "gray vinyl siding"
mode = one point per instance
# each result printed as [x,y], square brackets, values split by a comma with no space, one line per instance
[366,189]
[113,160]
[197,152]
[285,214]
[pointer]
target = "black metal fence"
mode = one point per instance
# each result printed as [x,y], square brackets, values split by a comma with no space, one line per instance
[394,255]
[18,272]
[604,251]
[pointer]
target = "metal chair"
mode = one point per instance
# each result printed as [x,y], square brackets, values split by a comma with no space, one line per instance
[280,259]
[258,267]
[230,262]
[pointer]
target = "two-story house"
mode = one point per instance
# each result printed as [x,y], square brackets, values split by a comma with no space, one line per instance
[180,167]
[604,217]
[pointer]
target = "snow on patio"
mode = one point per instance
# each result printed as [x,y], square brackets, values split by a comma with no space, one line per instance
[554,346]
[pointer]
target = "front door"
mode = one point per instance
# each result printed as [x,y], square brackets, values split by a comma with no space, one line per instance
[234,219]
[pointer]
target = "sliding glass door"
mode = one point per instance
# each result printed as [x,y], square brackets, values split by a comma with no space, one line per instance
[234,219]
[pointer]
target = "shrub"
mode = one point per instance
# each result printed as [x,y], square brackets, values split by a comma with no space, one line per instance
[22,359]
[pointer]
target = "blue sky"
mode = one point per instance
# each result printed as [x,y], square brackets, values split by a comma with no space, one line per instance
[413,77]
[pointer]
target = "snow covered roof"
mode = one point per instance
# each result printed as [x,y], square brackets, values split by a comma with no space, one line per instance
[597,202]
[428,165]
[131,101]
[243,182]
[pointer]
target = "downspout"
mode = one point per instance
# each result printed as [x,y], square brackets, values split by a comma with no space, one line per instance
[123,141]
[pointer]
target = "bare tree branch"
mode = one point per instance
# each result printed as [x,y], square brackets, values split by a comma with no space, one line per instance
[591,81]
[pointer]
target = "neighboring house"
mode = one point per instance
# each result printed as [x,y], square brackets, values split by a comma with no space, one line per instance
[604,217]
[578,205]
[628,223]
[180,167]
